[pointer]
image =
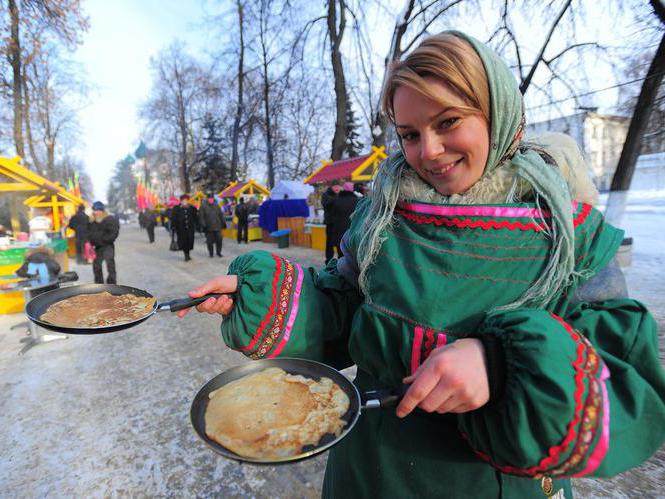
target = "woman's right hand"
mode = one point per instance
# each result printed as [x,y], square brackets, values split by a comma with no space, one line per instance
[222,305]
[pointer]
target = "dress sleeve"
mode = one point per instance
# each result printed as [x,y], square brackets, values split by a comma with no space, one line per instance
[283,309]
[584,395]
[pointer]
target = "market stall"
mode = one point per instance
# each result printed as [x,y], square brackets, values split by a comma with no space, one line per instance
[250,189]
[44,199]
[358,169]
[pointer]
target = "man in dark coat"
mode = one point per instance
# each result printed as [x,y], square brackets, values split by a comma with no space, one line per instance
[212,222]
[339,216]
[242,213]
[80,223]
[328,199]
[102,235]
[149,222]
[184,225]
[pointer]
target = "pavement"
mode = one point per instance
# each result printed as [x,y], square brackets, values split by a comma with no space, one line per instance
[108,415]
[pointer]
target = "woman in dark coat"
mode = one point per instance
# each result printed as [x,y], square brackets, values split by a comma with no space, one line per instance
[184,225]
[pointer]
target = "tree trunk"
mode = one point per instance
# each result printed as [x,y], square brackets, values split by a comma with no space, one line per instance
[28,128]
[266,105]
[15,61]
[380,121]
[239,108]
[631,147]
[336,33]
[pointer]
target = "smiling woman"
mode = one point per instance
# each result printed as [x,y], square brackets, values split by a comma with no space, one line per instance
[459,279]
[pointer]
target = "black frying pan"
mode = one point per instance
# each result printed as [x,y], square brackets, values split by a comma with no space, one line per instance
[38,305]
[309,369]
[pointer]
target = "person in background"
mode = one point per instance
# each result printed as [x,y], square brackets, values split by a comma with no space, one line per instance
[149,222]
[39,262]
[103,232]
[342,208]
[184,225]
[242,214]
[469,276]
[327,202]
[212,222]
[80,224]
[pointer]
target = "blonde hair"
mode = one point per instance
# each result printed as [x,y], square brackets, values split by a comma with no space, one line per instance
[448,58]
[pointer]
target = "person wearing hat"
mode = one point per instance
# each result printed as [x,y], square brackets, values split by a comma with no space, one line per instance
[333,236]
[104,229]
[184,225]
[212,222]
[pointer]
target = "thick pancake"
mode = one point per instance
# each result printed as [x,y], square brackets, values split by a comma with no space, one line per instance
[272,414]
[98,309]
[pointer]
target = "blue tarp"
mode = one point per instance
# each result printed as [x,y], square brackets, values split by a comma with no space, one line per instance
[271,209]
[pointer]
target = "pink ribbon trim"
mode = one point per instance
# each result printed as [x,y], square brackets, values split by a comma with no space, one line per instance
[415,349]
[604,442]
[295,301]
[479,211]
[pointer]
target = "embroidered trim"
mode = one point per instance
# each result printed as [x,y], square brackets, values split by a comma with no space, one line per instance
[475,211]
[280,315]
[472,224]
[271,309]
[587,414]
[295,302]
[582,215]
[604,443]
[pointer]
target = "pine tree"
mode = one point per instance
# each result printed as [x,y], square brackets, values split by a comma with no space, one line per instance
[212,172]
[353,145]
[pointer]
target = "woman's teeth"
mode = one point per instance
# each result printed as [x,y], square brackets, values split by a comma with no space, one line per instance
[445,168]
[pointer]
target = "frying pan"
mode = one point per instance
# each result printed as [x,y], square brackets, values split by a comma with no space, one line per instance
[309,369]
[38,305]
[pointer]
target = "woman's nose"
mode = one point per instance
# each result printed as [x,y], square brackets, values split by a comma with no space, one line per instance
[431,147]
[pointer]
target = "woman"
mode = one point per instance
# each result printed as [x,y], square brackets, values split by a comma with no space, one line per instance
[515,384]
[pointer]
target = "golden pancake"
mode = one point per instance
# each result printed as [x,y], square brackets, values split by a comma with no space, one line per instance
[272,414]
[98,309]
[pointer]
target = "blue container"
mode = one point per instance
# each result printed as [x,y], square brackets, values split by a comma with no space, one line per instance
[282,237]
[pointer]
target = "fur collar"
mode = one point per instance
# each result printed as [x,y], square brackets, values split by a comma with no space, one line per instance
[496,187]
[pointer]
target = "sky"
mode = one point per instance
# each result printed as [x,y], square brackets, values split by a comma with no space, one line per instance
[124,34]
[115,54]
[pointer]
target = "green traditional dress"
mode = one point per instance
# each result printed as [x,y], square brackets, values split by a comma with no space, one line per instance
[582,390]
[575,388]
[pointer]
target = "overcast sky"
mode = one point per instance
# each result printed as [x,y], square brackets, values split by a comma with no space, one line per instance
[116,52]
[125,34]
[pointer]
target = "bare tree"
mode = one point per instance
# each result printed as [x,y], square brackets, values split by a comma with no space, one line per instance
[177,104]
[638,123]
[241,81]
[53,94]
[32,24]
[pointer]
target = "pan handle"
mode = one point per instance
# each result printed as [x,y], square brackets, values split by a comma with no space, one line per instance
[181,303]
[381,399]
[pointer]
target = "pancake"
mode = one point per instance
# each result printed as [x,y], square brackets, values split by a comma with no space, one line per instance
[98,309]
[272,414]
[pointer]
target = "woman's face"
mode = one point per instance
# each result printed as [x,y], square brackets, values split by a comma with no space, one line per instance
[448,148]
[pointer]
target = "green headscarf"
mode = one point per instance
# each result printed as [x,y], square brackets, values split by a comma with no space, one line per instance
[548,185]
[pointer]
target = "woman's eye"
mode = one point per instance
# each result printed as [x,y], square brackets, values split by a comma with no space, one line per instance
[448,122]
[409,136]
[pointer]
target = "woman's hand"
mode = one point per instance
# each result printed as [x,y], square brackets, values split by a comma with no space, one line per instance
[222,305]
[452,379]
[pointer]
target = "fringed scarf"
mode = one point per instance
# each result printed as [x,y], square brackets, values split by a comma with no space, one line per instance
[514,171]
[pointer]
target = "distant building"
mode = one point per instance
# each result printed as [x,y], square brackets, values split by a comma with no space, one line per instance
[600,136]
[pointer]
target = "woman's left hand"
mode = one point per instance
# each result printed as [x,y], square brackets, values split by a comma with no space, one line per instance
[452,379]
